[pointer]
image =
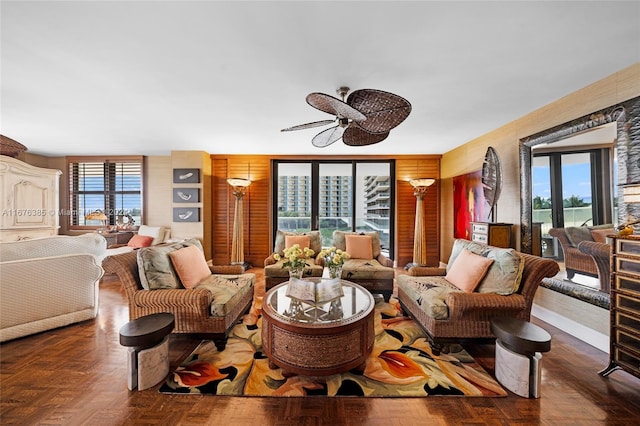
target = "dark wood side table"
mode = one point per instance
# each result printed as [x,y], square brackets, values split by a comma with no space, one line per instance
[148,349]
[518,347]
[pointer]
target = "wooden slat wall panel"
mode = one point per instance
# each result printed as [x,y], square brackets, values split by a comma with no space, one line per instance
[257,205]
[408,168]
[222,216]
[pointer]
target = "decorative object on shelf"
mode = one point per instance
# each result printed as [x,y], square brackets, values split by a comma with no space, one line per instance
[121,225]
[100,216]
[186,195]
[419,235]
[491,180]
[296,259]
[365,118]
[182,214]
[186,175]
[334,258]
[239,187]
[627,227]
[10,147]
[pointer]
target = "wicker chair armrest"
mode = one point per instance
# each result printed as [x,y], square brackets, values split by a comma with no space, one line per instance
[197,299]
[384,260]
[424,271]
[463,304]
[225,269]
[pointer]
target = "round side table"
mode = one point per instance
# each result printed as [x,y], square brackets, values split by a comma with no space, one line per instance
[518,355]
[147,339]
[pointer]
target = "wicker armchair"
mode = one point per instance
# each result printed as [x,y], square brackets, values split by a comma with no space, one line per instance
[191,308]
[575,261]
[470,314]
[600,253]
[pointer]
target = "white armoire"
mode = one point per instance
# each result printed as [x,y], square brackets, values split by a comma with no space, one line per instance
[30,201]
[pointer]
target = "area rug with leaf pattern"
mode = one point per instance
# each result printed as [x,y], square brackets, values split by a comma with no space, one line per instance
[400,365]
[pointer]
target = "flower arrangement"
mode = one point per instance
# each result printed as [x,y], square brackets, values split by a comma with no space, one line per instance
[334,259]
[296,257]
[334,256]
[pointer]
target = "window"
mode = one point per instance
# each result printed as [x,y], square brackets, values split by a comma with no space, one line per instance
[335,195]
[112,185]
[572,188]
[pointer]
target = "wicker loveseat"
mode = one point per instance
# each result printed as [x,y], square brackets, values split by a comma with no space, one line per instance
[371,269]
[209,309]
[575,261]
[449,314]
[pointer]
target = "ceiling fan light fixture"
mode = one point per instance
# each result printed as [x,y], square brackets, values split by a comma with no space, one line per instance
[365,118]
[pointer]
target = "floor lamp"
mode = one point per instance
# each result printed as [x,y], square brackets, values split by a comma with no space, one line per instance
[239,187]
[419,236]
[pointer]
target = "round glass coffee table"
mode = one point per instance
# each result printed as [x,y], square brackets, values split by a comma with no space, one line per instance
[318,340]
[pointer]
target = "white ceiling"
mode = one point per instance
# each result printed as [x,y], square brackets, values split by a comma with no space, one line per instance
[148,77]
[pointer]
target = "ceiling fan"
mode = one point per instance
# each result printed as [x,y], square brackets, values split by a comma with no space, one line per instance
[365,118]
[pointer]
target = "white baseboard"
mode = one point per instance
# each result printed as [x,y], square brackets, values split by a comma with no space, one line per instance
[586,334]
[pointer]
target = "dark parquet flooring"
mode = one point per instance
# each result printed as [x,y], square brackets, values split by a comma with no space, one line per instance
[76,375]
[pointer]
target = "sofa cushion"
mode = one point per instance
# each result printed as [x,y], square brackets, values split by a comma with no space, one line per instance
[600,234]
[315,242]
[226,291]
[302,241]
[190,265]
[575,234]
[339,241]
[429,292]
[504,274]
[157,232]
[363,269]
[139,241]
[359,246]
[468,270]
[155,268]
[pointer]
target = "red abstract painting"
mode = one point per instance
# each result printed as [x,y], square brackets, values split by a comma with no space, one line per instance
[469,204]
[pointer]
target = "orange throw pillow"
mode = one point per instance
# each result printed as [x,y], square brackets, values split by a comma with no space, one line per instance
[600,235]
[302,240]
[139,241]
[359,246]
[468,270]
[190,265]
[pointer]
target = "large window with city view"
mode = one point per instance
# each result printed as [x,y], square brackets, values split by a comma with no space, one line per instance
[112,185]
[335,195]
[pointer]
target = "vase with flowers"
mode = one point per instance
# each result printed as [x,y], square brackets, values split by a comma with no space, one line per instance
[295,259]
[334,259]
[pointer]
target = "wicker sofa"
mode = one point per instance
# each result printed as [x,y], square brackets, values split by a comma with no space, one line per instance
[48,283]
[201,310]
[575,261]
[449,314]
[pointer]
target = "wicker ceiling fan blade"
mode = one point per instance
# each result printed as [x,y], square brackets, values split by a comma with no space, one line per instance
[309,125]
[383,110]
[356,136]
[327,137]
[334,106]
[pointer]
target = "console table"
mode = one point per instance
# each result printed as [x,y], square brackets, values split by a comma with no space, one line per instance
[318,340]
